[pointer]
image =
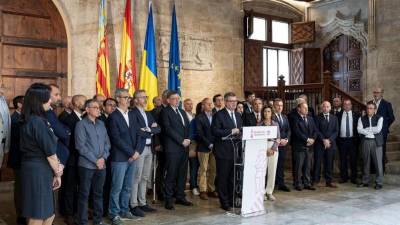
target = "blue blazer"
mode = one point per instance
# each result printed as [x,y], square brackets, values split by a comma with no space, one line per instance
[386,111]
[63,133]
[141,123]
[123,138]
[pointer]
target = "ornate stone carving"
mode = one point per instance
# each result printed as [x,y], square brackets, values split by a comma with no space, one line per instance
[354,64]
[341,24]
[197,53]
[354,84]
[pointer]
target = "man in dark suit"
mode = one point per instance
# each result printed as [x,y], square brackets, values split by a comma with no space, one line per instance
[325,147]
[176,142]
[158,149]
[303,137]
[253,118]
[311,110]
[248,104]
[205,146]
[66,104]
[109,106]
[337,106]
[218,102]
[284,130]
[384,109]
[147,127]
[348,142]
[122,130]
[225,123]
[70,176]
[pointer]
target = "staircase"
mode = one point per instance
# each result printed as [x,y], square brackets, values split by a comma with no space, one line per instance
[392,175]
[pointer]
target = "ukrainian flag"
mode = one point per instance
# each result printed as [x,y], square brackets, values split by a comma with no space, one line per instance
[174,72]
[148,69]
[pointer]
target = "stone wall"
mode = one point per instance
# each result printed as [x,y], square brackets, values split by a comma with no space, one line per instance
[210,34]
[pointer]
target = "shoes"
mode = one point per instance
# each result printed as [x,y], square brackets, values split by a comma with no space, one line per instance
[378,187]
[317,184]
[195,192]
[354,181]
[331,185]
[21,221]
[362,185]
[147,208]
[127,216]
[169,205]
[203,196]
[136,211]
[183,202]
[213,194]
[311,188]
[284,188]
[226,208]
[270,197]
[298,188]
[116,221]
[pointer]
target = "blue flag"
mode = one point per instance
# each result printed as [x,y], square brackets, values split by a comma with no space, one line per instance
[174,73]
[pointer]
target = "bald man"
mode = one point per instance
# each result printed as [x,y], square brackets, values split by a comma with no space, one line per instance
[384,109]
[337,106]
[325,146]
[66,104]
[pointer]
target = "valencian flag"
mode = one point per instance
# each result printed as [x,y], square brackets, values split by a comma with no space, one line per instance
[127,69]
[174,73]
[102,63]
[148,68]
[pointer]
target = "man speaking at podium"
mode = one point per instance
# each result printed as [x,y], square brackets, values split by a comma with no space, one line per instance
[226,125]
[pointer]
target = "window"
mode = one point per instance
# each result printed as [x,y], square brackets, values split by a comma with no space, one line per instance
[259,29]
[280,32]
[275,63]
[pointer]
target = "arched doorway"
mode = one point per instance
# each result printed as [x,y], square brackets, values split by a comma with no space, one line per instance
[33,46]
[343,57]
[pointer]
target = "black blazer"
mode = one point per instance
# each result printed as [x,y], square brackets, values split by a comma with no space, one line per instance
[327,130]
[14,157]
[62,133]
[156,113]
[386,111]
[356,116]
[123,138]
[143,135]
[301,132]
[249,119]
[222,126]
[174,131]
[284,129]
[71,120]
[247,108]
[204,135]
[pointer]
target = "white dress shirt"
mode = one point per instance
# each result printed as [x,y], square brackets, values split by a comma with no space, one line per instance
[230,115]
[369,131]
[125,114]
[179,112]
[78,114]
[146,121]
[343,124]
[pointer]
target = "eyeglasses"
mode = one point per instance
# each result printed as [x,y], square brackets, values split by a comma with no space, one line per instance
[94,107]
[145,97]
[112,105]
[231,100]
[125,97]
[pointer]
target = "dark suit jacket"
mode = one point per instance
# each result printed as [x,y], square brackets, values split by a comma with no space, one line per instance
[173,130]
[71,122]
[247,108]
[63,116]
[204,135]
[249,119]
[156,113]
[63,133]
[356,116]
[123,138]
[284,129]
[327,130]
[222,126]
[103,118]
[143,135]
[337,113]
[14,158]
[386,111]
[301,132]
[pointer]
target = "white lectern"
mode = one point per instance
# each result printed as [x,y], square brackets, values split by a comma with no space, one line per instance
[255,141]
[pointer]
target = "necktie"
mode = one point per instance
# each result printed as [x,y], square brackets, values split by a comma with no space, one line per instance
[233,119]
[347,125]
[179,114]
[280,118]
[257,118]
[305,120]
[327,118]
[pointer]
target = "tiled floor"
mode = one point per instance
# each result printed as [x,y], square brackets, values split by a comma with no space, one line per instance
[345,205]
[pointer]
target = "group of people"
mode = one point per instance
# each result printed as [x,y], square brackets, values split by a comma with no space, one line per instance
[104,153]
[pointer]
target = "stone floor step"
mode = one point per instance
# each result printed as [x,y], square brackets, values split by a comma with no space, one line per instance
[393,168]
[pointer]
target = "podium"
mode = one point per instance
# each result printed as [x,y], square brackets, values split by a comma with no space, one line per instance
[250,170]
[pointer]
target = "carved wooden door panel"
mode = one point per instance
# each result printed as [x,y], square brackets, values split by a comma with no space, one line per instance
[253,76]
[343,56]
[33,46]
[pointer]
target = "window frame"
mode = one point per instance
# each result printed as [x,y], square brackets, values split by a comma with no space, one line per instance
[266,48]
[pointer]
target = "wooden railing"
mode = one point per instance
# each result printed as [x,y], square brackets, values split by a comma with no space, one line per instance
[316,93]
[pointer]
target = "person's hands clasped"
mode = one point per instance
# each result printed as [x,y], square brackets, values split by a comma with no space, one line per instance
[186,142]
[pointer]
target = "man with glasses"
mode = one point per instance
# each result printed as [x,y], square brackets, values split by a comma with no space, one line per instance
[124,153]
[226,123]
[93,144]
[147,128]
[109,105]
[370,128]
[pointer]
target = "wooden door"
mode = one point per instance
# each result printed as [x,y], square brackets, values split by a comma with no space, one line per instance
[33,46]
[343,56]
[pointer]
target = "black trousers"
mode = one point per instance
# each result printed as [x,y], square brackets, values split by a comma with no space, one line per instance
[225,174]
[69,191]
[280,170]
[384,157]
[348,153]
[302,167]
[325,157]
[160,175]
[90,180]
[176,165]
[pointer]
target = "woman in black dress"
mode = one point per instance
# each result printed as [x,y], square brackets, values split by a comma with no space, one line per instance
[40,172]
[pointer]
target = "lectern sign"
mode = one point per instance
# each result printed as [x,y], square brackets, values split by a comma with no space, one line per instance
[255,163]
